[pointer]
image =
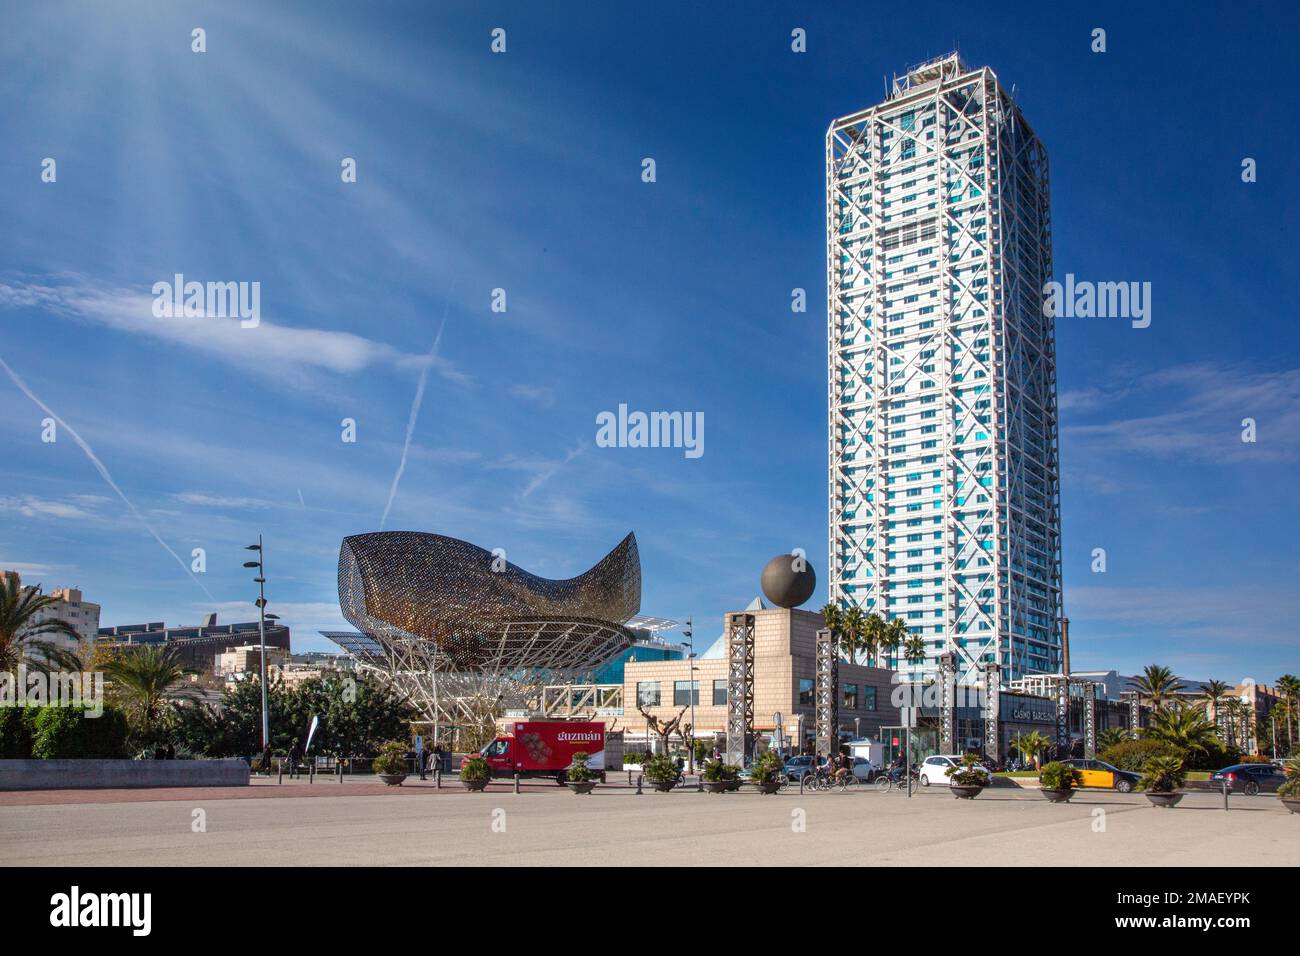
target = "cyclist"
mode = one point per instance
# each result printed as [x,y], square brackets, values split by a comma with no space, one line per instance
[839,768]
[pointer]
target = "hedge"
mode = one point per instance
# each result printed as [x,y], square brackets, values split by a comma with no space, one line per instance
[54,733]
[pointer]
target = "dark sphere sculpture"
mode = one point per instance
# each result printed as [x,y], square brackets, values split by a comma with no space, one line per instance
[788,580]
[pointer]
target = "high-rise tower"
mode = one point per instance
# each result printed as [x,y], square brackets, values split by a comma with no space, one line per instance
[944,483]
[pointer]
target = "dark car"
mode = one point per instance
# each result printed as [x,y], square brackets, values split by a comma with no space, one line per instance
[797,766]
[1249,778]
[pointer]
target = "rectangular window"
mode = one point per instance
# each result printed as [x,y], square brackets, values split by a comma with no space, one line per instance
[647,693]
[850,697]
[720,693]
[686,692]
[868,698]
[805,692]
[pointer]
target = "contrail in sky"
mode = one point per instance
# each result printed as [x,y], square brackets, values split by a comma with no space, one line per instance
[103,472]
[415,413]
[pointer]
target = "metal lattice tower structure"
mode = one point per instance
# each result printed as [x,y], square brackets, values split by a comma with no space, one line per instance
[944,476]
[826,693]
[740,687]
[993,709]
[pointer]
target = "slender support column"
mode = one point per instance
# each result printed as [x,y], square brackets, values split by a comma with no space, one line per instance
[740,687]
[948,702]
[826,693]
[992,710]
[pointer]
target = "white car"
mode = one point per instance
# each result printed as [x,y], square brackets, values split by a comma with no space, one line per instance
[934,770]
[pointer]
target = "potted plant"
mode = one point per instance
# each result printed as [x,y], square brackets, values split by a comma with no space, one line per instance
[731,776]
[475,772]
[764,772]
[968,780]
[1161,779]
[718,776]
[661,771]
[390,765]
[580,778]
[1057,781]
[1289,792]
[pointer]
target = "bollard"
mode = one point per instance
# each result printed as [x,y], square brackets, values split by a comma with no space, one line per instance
[281,778]
[699,784]
[1225,793]
[638,784]
[338,771]
[801,780]
[437,779]
[629,778]
[516,781]
[311,772]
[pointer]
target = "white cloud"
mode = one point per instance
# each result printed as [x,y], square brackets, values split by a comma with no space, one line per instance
[34,507]
[266,346]
[219,501]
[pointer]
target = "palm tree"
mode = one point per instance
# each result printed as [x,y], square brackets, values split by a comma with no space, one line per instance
[1212,695]
[1289,687]
[855,624]
[873,635]
[143,677]
[1187,728]
[914,648]
[895,633]
[1157,686]
[1031,746]
[1111,736]
[832,618]
[20,632]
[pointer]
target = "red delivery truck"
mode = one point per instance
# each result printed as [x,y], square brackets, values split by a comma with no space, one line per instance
[545,748]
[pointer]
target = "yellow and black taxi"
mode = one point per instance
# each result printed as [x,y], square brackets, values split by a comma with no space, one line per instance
[1097,773]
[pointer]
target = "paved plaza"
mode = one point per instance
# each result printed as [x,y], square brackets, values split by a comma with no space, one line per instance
[362,823]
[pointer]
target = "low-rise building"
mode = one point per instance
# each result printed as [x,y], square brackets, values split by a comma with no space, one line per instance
[68,605]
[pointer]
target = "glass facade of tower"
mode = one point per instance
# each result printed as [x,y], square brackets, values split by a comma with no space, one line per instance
[944,485]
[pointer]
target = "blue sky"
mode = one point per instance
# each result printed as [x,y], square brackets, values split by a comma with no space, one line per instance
[521,171]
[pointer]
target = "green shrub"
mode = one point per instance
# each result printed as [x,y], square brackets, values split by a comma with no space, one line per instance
[1060,776]
[69,733]
[15,734]
[766,767]
[1163,774]
[580,772]
[1132,755]
[1290,790]
[475,768]
[660,769]
[391,759]
[713,772]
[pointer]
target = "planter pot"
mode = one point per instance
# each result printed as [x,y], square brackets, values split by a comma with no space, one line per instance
[717,786]
[474,786]
[392,779]
[581,786]
[732,785]
[1164,799]
[768,786]
[1057,796]
[663,786]
[966,793]
[1292,805]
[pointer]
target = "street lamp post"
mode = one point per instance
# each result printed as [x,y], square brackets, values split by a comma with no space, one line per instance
[689,633]
[260,580]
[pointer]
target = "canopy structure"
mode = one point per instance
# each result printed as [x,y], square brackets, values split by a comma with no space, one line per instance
[465,634]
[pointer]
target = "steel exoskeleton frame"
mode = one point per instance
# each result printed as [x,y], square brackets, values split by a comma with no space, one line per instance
[983,211]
